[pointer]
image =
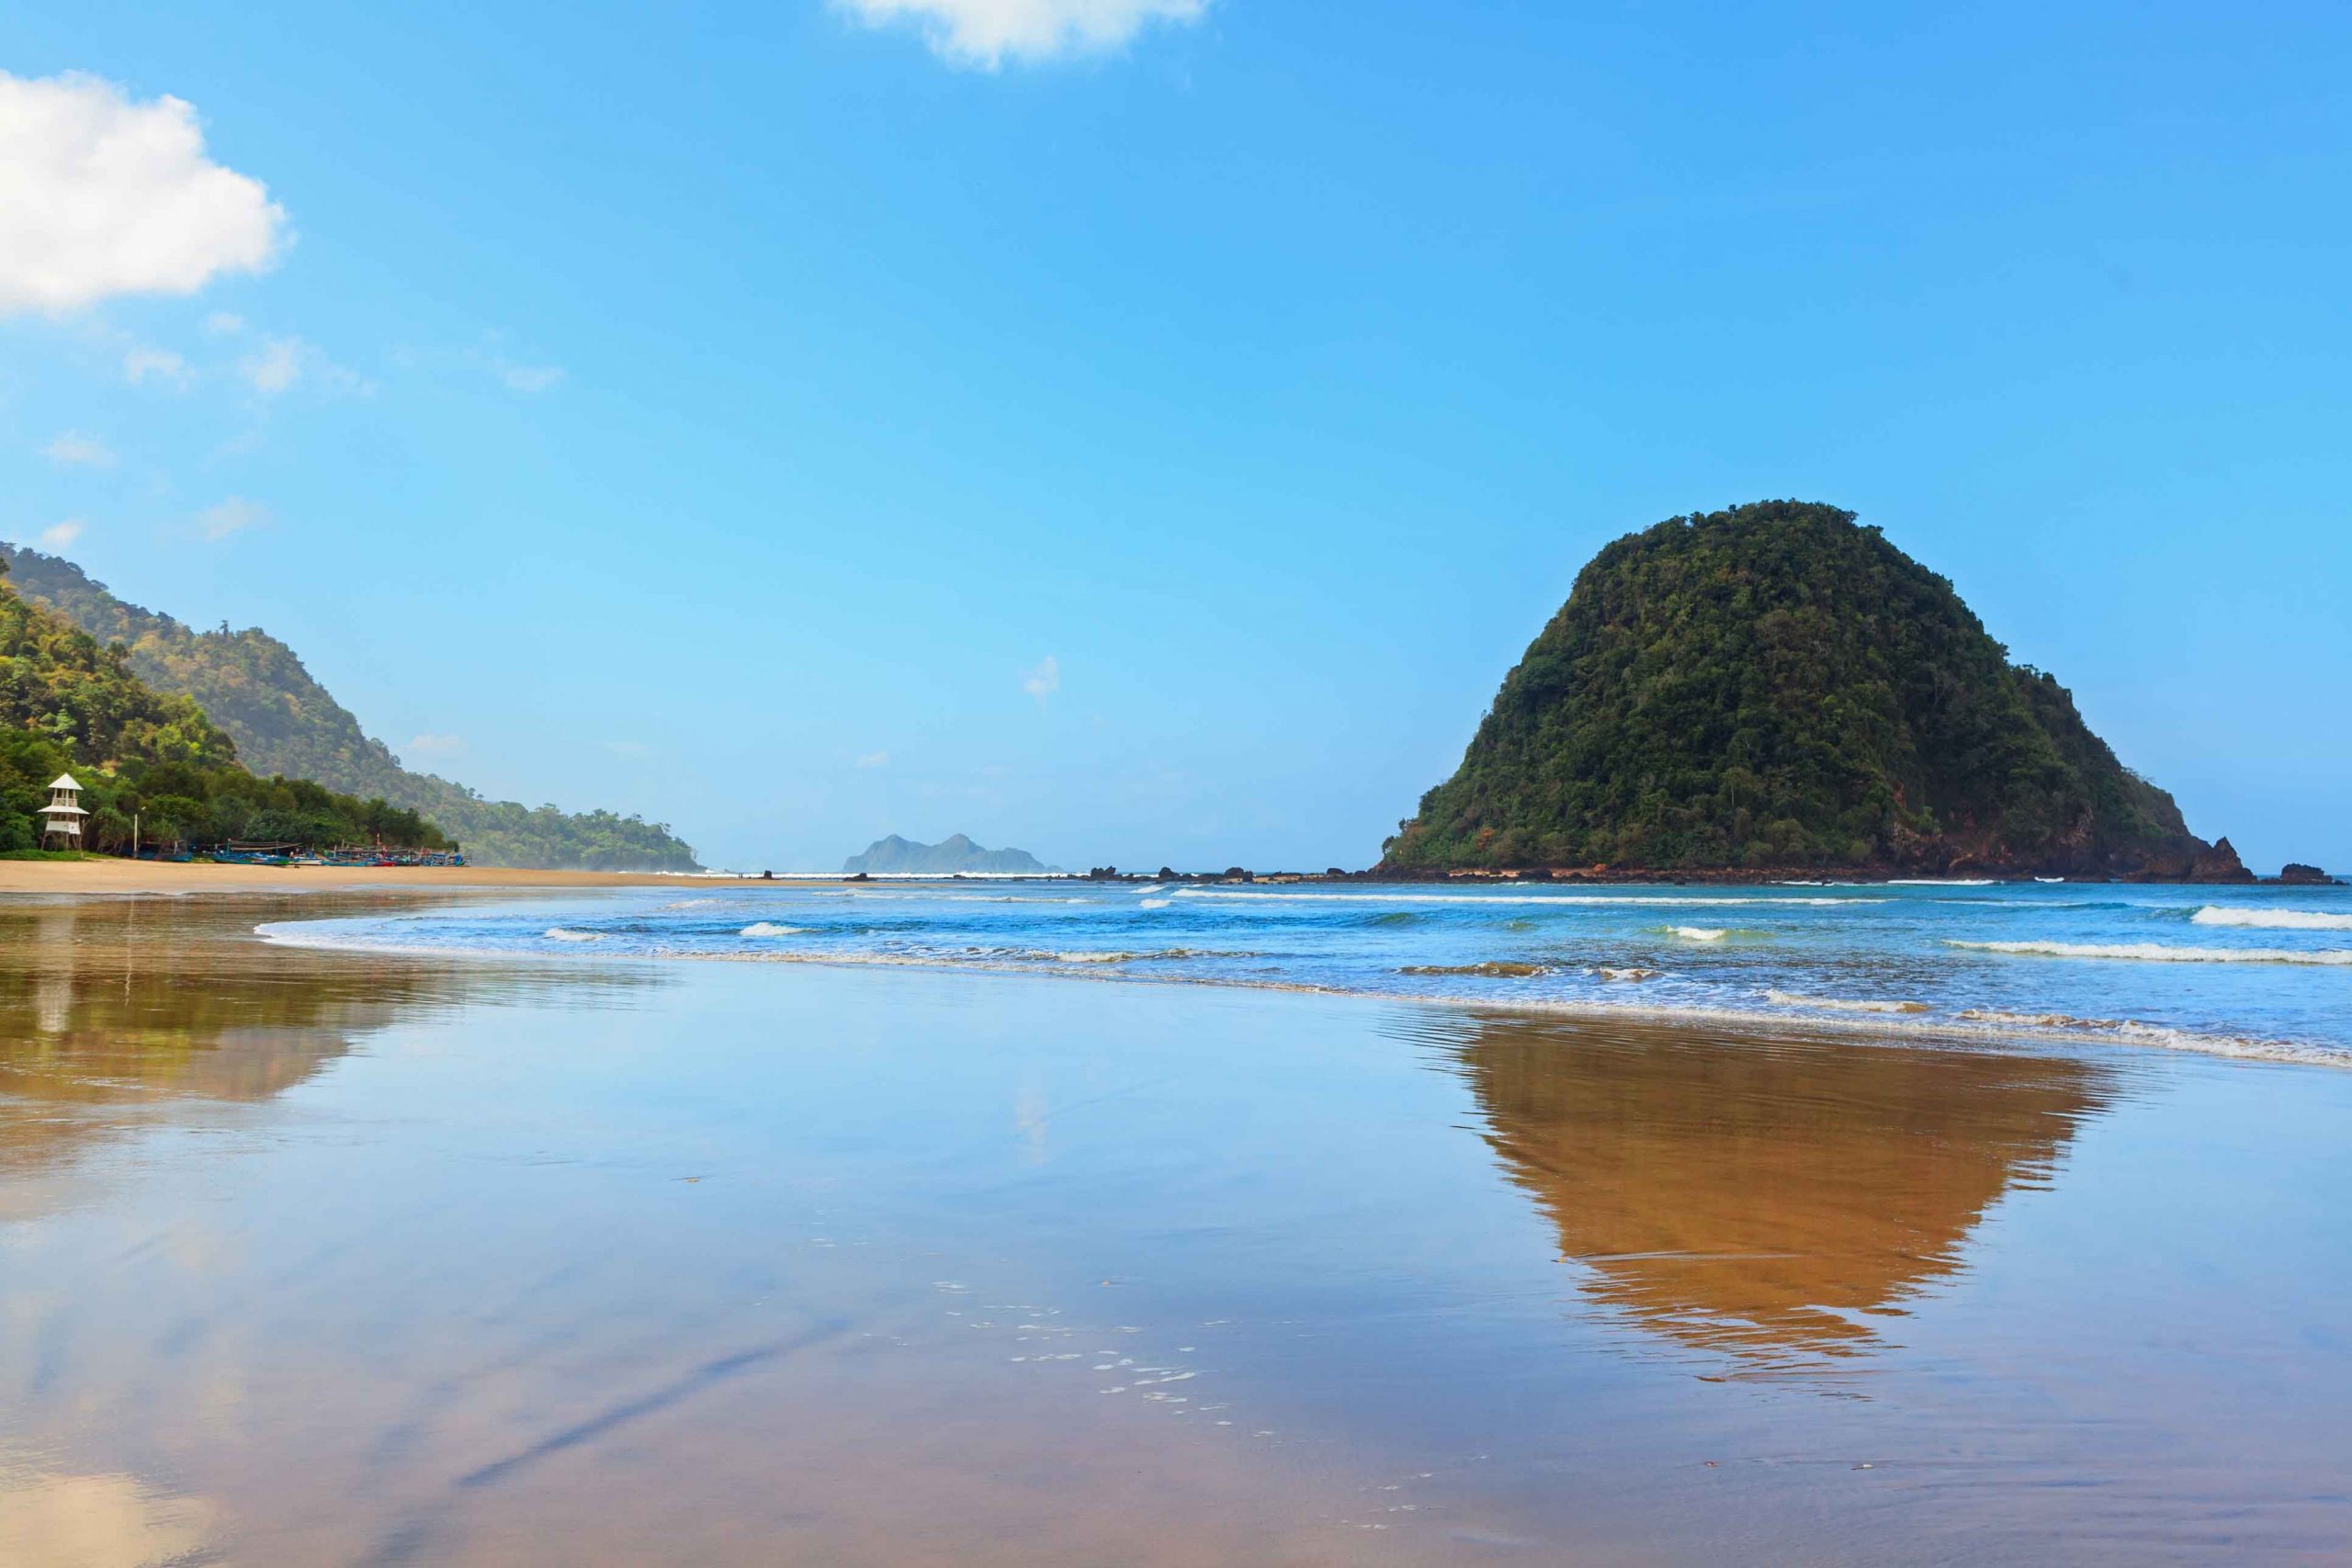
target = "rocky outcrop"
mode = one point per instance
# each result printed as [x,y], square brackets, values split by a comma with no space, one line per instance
[2298,874]
[1777,686]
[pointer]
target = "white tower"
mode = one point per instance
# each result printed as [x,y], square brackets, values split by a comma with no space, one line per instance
[62,815]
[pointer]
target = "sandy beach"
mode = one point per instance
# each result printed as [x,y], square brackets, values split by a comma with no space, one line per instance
[320,1255]
[161,876]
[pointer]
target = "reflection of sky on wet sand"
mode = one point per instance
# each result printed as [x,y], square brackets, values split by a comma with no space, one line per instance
[310,1258]
[1776,1204]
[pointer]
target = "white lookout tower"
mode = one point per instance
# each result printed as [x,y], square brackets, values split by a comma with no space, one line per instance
[62,815]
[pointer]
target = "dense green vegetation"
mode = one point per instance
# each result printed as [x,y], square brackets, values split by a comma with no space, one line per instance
[68,705]
[1774,686]
[256,689]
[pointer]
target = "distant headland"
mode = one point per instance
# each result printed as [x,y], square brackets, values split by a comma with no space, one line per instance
[949,857]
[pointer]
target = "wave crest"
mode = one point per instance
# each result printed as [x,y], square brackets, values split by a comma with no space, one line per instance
[2272,920]
[2159,952]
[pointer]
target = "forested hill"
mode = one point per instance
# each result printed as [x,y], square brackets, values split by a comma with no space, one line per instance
[283,721]
[69,704]
[1776,687]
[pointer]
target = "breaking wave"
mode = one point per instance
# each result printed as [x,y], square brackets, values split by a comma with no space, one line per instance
[2157,953]
[558,934]
[762,928]
[1699,933]
[2272,920]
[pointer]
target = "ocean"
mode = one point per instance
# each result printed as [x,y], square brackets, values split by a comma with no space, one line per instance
[2253,971]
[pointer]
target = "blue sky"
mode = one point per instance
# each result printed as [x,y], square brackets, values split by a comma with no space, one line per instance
[1143,431]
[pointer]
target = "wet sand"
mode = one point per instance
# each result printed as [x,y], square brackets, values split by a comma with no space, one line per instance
[311,1257]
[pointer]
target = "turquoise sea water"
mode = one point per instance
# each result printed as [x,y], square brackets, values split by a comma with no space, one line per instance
[2261,971]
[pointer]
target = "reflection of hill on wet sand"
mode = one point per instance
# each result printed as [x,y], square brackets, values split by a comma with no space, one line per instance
[1758,1197]
[109,1005]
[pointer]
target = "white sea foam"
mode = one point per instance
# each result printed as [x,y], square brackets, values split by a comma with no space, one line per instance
[2159,952]
[1699,933]
[558,934]
[1842,1004]
[1155,887]
[2042,1019]
[762,928]
[335,935]
[2272,920]
[1665,900]
[1941,882]
[1153,904]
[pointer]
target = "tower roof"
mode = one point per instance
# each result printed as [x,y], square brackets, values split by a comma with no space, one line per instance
[64,781]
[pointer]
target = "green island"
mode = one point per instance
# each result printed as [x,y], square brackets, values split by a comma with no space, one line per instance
[282,721]
[1777,688]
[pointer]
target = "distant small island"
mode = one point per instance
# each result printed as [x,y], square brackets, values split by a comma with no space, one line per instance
[1775,687]
[949,857]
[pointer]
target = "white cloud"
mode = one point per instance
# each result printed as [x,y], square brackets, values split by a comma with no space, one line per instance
[529,377]
[1044,680]
[224,323]
[437,745]
[982,33]
[63,535]
[875,760]
[73,447]
[161,365]
[106,196]
[233,515]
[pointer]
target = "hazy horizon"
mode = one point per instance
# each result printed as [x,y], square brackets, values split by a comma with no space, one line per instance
[1151,437]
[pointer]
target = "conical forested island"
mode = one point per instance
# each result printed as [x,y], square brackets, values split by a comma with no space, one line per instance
[1776,687]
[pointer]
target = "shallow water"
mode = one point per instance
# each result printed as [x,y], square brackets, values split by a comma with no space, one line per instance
[316,1256]
[2244,971]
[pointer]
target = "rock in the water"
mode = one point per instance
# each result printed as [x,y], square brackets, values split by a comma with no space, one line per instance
[1775,687]
[2306,876]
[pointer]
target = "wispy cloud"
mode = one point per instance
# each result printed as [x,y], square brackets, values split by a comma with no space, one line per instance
[223,324]
[528,378]
[75,450]
[982,34]
[60,535]
[231,516]
[437,745]
[280,362]
[144,366]
[108,196]
[875,760]
[275,367]
[1044,680]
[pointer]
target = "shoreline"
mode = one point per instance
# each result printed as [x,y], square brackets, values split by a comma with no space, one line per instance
[167,876]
